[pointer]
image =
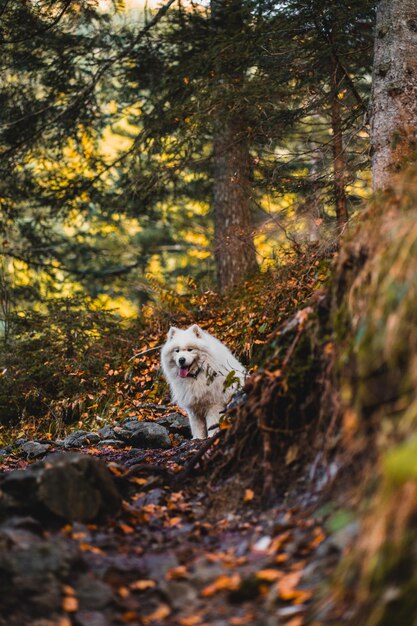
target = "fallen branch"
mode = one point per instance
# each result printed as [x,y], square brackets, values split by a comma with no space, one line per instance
[197,458]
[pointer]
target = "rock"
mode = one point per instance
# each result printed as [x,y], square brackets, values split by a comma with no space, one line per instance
[177,424]
[107,432]
[91,618]
[155,496]
[113,443]
[92,594]
[80,439]
[34,449]
[65,486]
[158,564]
[33,573]
[179,593]
[205,571]
[21,440]
[146,434]
[5,451]
[35,570]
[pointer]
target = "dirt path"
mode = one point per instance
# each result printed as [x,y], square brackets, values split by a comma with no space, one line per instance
[185,555]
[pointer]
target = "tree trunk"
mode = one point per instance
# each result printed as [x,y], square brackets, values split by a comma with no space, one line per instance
[339,161]
[394,115]
[234,247]
[235,252]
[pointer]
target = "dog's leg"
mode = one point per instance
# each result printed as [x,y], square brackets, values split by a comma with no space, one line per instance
[198,425]
[212,418]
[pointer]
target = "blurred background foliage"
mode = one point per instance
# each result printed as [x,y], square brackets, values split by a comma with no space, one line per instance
[106,139]
[109,110]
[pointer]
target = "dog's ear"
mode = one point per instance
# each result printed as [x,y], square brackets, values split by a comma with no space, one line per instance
[197,330]
[172,332]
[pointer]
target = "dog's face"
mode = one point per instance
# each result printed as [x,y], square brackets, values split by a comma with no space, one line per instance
[185,351]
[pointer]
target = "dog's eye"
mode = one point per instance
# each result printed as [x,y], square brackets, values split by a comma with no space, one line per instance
[190,349]
[177,350]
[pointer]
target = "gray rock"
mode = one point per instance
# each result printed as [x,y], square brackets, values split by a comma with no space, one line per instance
[80,439]
[113,443]
[205,571]
[66,486]
[91,618]
[5,451]
[121,433]
[179,593]
[146,434]
[107,432]
[158,564]
[33,449]
[93,595]
[21,440]
[33,572]
[177,424]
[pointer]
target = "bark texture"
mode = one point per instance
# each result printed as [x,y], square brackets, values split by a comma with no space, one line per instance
[234,247]
[235,252]
[394,116]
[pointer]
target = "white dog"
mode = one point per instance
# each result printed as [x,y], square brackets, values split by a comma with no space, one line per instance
[203,375]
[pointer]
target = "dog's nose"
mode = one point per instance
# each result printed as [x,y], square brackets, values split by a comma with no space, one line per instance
[181,361]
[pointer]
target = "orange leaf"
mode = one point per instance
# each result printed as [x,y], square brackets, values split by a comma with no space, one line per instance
[190,620]
[128,530]
[176,573]
[85,547]
[70,604]
[159,614]
[249,495]
[140,585]
[269,575]
[123,592]
[287,585]
[222,582]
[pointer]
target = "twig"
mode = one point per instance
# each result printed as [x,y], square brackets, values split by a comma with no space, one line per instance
[197,457]
[145,352]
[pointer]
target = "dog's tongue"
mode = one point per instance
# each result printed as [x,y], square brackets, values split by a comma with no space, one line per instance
[183,372]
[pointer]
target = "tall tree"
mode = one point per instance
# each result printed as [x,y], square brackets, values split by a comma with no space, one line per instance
[394,119]
[232,186]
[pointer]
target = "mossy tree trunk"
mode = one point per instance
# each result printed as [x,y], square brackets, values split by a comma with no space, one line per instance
[394,117]
[235,252]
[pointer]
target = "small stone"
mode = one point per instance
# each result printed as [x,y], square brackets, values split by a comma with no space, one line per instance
[107,432]
[179,593]
[92,594]
[177,424]
[81,439]
[112,443]
[146,435]
[33,449]
[21,440]
[205,571]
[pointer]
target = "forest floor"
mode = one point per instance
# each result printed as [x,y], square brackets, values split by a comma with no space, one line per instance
[178,552]
[158,541]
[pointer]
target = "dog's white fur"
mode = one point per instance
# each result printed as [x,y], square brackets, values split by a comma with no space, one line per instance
[196,365]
